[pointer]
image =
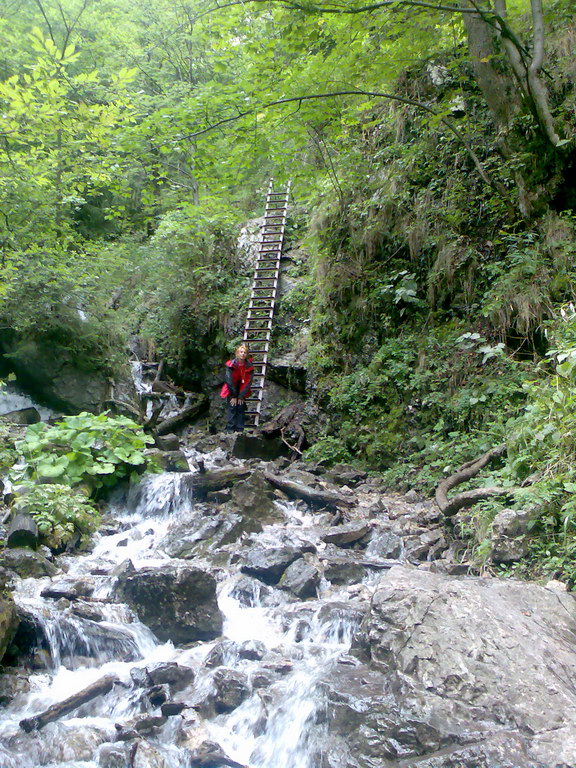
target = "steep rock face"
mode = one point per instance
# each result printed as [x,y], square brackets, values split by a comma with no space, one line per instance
[178,603]
[52,374]
[461,671]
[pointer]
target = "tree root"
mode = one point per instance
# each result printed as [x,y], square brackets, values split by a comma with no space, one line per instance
[467,471]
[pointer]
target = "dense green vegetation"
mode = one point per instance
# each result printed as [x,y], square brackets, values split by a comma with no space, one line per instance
[59,471]
[432,151]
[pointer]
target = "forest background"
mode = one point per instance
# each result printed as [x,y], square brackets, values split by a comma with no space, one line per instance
[432,152]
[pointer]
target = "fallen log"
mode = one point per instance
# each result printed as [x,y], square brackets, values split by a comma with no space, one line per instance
[217,480]
[377,564]
[56,711]
[185,415]
[313,496]
[22,531]
[467,471]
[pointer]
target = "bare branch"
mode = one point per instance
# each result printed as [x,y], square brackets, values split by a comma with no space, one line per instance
[46,19]
[467,471]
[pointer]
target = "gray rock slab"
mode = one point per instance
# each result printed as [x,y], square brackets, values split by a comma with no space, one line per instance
[177,603]
[301,578]
[471,660]
[255,446]
[8,623]
[26,563]
[349,533]
[269,563]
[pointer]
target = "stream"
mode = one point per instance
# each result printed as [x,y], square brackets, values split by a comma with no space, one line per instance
[252,695]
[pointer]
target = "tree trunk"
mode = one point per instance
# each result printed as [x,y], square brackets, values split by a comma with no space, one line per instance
[99,688]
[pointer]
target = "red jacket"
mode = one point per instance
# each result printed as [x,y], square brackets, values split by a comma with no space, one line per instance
[238,379]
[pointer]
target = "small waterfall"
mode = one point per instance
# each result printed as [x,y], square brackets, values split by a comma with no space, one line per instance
[13,399]
[268,636]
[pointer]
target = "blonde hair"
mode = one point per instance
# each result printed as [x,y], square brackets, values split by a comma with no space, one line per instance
[246,347]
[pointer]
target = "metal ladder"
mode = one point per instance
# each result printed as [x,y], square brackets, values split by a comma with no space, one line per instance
[258,328]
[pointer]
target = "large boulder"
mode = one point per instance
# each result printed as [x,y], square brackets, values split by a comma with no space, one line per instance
[459,671]
[254,499]
[177,602]
[269,563]
[8,623]
[51,372]
[26,563]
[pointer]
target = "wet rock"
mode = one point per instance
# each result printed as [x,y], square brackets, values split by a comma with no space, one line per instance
[250,592]
[448,683]
[247,446]
[26,563]
[71,589]
[301,578]
[426,545]
[157,695]
[340,572]
[114,756]
[253,650]
[269,563]
[346,534]
[263,678]
[219,497]
[386,545]
[8,623]
[90,611]
[169,442]
[22,416]
[254,499]
[148,724]
[211,755]
[225,652]
[12,683]
[200,535]
[176,676]
[178,603]
[231,689]
[148,756]
[172,708]
[169,461]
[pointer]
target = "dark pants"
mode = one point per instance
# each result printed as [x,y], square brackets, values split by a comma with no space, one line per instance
[235,417]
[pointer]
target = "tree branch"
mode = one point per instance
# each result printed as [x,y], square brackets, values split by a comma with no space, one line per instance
[467,471]
[496,186]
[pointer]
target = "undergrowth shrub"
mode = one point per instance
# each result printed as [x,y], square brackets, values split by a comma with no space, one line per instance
[97,449]
[60,512]
[328,451]
[62,469]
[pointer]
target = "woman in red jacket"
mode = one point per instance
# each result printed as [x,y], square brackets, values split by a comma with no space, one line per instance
[237,387]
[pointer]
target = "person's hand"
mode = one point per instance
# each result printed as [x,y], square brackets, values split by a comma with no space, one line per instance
[233,401]
[240,401]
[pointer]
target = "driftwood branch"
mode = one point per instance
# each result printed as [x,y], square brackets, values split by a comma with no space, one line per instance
[217,479]
[56,711]
[311,495]
[466,472]
[186,414]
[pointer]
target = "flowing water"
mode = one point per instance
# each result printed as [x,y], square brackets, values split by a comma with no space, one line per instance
[284,643]
[13,399]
